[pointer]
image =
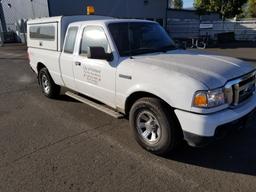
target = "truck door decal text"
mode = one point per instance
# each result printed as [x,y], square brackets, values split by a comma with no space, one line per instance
[92,75]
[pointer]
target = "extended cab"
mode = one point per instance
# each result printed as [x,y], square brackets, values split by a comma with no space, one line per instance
[134,69]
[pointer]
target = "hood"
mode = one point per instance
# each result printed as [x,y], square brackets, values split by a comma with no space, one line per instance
[211,70]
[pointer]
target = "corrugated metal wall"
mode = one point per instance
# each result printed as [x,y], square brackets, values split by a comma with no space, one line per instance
[186,23]
[152,9]
[16,9]
[244,30]
[187,28]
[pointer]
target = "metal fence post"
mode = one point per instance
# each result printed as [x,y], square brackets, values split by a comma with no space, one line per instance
[1,35]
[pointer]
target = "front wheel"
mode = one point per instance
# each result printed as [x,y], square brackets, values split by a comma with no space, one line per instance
[154,126]
[49,88]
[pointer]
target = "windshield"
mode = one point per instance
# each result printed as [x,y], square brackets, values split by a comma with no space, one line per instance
[134,38]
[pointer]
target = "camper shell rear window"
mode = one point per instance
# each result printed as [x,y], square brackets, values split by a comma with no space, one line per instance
[46,32]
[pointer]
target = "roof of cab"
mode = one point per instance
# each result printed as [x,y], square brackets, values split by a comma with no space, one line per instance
[107,21]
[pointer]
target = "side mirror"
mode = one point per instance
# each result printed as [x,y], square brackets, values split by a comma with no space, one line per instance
[99,53]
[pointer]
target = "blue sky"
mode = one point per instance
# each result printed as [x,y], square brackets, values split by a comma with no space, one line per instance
[188,3]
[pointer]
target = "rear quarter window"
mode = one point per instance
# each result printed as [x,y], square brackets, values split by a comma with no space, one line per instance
[70,40]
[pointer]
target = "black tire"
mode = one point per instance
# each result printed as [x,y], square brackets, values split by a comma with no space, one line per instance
[53,90]
[169,137]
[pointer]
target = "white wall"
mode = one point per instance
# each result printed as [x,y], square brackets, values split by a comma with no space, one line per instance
[18,9]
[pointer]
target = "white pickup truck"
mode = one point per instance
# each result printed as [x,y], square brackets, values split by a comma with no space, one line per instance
[134,69]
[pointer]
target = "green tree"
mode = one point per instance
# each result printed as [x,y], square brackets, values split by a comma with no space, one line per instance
[228,8]
[177,4]
[252,8]
[201,5]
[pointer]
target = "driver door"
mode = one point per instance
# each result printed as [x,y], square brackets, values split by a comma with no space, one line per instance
[94,77]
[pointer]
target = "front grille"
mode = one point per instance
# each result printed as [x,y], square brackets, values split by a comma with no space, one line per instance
[249,80]
[239,90]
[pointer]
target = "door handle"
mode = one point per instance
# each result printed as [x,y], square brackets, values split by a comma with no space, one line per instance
[77,63]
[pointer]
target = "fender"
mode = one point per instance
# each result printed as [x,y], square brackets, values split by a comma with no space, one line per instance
[148,88]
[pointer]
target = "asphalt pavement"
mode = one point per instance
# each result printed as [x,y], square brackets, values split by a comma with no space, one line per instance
[63,145]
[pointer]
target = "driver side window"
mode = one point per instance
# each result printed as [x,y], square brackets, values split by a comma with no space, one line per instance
[93,36]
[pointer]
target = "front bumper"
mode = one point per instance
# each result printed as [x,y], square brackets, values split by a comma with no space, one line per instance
[201,129]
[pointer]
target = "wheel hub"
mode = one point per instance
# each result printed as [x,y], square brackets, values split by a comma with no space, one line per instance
[45,84]
[148,127]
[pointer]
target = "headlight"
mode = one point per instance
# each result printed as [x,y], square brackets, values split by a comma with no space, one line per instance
[209,99]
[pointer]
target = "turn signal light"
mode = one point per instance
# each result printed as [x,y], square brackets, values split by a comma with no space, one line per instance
[200,100]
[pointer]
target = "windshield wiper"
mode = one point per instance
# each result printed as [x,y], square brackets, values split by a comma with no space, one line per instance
[140,51]
[144,50]
[167,48]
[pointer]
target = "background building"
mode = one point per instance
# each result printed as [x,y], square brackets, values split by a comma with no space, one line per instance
[143,9]
[179,23]
[12,11]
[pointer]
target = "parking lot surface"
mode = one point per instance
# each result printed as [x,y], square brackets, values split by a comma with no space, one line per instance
[63,145]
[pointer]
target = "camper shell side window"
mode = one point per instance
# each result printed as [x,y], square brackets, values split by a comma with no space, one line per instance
[46,32]
[44,36]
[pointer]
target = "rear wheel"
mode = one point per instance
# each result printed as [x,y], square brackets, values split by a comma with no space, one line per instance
[154,126]
[49,88]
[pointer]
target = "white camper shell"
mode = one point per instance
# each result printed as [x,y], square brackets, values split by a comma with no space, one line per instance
[49,32]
